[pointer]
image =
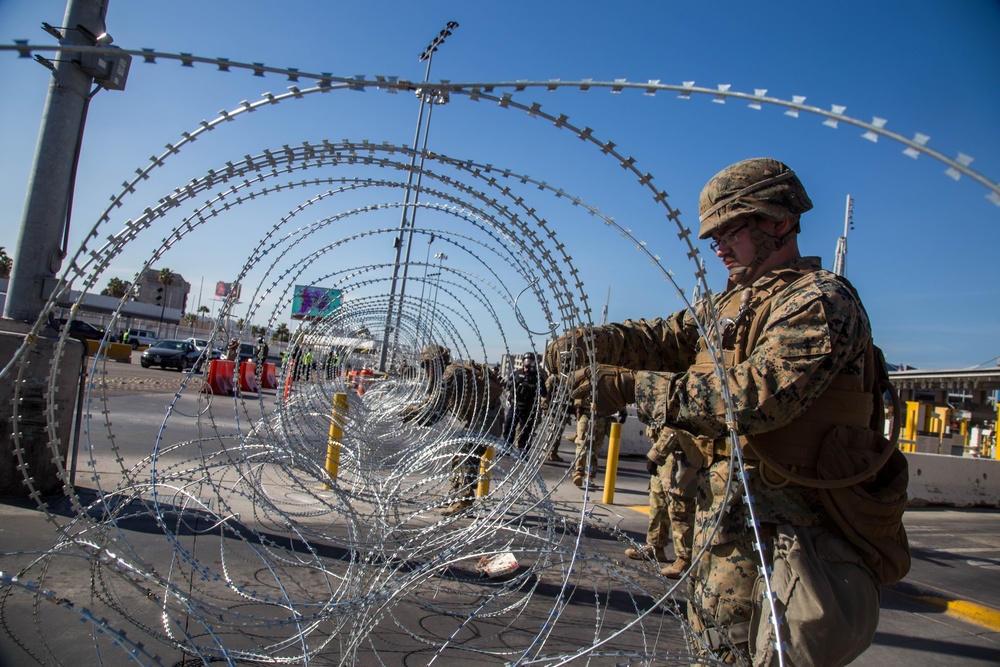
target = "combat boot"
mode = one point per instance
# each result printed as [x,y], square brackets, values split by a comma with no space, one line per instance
[646,552]
[676,569]
[555,458]
[457,507]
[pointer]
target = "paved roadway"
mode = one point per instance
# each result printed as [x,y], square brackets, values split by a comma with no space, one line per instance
[946,612]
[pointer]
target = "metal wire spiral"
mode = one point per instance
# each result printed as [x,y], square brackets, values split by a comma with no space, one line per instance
[226,540]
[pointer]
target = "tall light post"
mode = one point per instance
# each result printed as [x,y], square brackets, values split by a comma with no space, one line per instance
[840,257]
[405,235]
[423,284]
[440,257]
[42,244]
[41,247]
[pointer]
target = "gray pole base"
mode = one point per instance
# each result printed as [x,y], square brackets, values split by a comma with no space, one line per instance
[31,414]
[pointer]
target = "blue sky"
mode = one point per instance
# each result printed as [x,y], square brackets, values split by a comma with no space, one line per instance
[923,251]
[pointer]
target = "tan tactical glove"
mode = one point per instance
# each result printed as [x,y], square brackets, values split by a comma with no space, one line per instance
[614,386]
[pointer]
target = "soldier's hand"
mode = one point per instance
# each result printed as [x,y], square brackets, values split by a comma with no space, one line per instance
[651,466]
[566,352]
[614,388]
[410,413]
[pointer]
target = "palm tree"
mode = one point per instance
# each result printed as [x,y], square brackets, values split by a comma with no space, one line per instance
[117,288]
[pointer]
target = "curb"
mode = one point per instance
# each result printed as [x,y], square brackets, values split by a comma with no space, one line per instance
[970,612]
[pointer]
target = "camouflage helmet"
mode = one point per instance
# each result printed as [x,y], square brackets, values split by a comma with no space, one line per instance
[435,352]
[759,187]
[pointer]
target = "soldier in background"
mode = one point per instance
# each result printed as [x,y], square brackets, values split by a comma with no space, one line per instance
[804,379]
[672,489]
[233,350]
[590,441]
[550,386]
[523,387]
[471,392]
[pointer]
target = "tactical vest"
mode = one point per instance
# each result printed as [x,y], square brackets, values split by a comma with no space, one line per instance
[472,390]
[836,446]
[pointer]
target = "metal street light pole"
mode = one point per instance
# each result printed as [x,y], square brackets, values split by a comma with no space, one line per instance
[407,225]
[39,246]
[440,257]
[423,285]
[840,257]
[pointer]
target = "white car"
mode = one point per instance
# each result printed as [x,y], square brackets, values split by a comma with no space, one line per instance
[141,338]
[201,343]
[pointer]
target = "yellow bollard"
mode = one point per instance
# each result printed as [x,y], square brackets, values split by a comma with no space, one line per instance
[909,435]
[485,473]
[996,436]
[336,435]
[611,468]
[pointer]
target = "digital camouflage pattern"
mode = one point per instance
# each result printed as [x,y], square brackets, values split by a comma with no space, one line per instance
[471,392]
[793,331]
[588,444]
[671,514]
[814,331]
[758,187]
[672,494]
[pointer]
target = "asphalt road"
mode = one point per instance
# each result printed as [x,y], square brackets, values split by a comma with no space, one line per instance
[945,612]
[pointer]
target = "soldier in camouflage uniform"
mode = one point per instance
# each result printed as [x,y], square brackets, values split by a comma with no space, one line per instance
[471,392]
[796,342]
[672,488]
[589,442]
[550,388]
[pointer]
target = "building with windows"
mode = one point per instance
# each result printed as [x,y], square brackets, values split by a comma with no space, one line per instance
[149,289]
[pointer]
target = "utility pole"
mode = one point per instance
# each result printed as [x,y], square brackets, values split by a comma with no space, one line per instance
[840,257]
[30,460]
[41,244]
[405,235]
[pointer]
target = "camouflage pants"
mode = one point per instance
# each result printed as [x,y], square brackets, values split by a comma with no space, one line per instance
[670,511]
[827,597]
[465,465]
[588,445]
[721,587]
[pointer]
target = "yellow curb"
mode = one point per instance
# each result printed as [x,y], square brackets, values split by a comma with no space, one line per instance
[971,612]
[640,508]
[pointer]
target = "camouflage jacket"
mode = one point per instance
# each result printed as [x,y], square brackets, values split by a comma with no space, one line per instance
[469,390]
[813,329]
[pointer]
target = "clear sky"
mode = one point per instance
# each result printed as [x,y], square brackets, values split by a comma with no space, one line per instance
[923,251]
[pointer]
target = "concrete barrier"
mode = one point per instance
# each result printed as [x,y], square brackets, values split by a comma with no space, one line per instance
[220,378]
[248,379]
[120,352]
[956,481]
[935,479]
[269,378]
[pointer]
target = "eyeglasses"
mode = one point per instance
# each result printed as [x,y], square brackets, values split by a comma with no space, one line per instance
[727,239]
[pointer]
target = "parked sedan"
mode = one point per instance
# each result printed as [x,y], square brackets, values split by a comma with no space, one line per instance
[170,353]
[82,330]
